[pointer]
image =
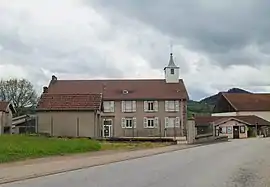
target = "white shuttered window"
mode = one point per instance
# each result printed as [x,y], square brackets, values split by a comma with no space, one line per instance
[151,122]
[129,122]
[108,106]
[172,106]
[128,106]
[150,106]
[171,122]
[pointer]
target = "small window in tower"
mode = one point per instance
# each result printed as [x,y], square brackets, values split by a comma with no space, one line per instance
[172,71]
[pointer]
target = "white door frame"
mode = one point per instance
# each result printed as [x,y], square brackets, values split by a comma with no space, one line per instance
[109,128]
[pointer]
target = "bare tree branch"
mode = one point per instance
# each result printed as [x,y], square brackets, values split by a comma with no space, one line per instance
[20,92]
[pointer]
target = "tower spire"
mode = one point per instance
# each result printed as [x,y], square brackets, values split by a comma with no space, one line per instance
[171,61]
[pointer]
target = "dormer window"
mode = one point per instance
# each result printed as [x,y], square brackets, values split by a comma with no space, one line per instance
[125,92]
[172,71]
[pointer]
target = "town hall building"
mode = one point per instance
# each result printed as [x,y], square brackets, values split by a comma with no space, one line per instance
[115,107]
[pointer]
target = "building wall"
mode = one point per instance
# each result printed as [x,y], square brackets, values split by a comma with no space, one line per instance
[65,123]
[72,124]
[231,124]
[140,131]
[5,120]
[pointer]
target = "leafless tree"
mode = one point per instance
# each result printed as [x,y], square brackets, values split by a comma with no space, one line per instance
[20,91]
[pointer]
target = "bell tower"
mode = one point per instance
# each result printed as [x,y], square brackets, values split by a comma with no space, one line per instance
[171,71]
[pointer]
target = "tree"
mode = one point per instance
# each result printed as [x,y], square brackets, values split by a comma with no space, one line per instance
[21,92]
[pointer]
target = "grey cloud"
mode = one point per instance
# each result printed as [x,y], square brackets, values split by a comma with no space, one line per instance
[11,41]
[84,60]
[213,27]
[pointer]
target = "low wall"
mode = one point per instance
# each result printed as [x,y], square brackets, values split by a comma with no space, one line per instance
[194,138]
[210,138]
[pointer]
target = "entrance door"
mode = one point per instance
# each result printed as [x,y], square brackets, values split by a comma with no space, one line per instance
[236,132]
[107,128]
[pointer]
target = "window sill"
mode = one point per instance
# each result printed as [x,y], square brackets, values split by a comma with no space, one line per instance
[150,127]
[172,111]
[172,127]
[150,111]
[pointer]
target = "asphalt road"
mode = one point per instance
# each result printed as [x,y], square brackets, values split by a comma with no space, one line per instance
[240,163]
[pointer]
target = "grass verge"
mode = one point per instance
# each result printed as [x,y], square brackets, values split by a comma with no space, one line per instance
[19,147]
[131,145]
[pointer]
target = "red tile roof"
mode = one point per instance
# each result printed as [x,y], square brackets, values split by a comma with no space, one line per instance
[113,89]
[248,102]
[70,102]
[251,119]
[3,106]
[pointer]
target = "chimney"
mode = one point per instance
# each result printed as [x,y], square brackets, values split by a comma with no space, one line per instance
[54,79]
[45,89]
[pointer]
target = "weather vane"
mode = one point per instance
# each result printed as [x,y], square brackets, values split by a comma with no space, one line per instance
[171,47]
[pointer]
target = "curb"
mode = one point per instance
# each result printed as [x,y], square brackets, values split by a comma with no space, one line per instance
[11,180]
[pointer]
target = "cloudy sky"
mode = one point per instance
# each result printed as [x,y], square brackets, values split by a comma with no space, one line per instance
[217,44]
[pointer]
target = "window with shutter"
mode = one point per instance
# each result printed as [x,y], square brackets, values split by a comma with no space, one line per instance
[145,122]
[134,106]
[106,106]
[123,122]
[171,122]
[156,122]
[112,106]
[177,122]
[177,106]
[156,106]
[128,123]
[171,106]
[134,122]
[128,106]
[166,122]
[150,122]
[123,106]
[166,106]
[150,106]
[145,106]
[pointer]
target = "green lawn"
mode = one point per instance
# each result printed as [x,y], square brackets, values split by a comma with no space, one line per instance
[21,147]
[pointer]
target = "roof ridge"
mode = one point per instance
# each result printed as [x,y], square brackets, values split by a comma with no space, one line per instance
[120,79]
[224,95]
[72,94]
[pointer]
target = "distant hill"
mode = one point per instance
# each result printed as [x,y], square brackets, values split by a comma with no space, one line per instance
[206,105]
[213,99]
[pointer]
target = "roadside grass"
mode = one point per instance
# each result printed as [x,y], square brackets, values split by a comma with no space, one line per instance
[131,145]
[20,147]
